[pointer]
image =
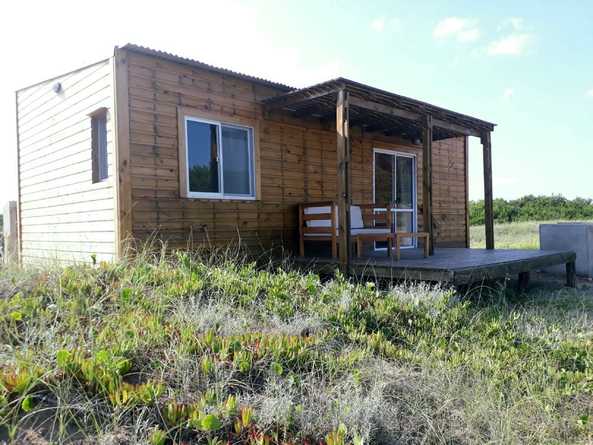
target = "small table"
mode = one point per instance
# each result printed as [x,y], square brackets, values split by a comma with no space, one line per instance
[397,238]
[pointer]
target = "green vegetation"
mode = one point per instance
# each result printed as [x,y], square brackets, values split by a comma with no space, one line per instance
[216,350]
[519,235]
[533,208]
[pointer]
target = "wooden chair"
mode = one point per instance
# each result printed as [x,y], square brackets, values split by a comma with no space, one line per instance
[368,224]
[318,221]
[419,235]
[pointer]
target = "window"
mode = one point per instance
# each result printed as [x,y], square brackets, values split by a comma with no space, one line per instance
[99,145]
[219,160]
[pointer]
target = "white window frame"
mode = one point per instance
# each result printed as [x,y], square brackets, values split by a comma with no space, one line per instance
[414,209]
[250,154]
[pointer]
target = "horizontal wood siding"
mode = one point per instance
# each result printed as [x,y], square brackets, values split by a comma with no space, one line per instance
[296,163]
[63,215]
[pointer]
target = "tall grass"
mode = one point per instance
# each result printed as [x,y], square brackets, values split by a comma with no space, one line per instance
[515,235]
[214,349]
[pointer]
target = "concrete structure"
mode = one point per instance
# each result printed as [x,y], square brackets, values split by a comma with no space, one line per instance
[577,237]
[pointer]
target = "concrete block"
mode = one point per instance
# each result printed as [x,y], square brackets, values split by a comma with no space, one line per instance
[577,237]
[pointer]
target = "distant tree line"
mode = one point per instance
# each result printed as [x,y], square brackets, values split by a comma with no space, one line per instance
[533,208]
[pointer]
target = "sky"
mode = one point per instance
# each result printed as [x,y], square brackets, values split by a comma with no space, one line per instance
[526,66]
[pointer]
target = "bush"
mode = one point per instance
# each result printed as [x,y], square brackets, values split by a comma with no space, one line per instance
[217,350]
[533,208]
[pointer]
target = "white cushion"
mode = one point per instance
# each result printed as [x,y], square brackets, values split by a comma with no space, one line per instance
[356,221]
[356,218]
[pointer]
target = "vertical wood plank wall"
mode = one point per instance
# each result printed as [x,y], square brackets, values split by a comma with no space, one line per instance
[297,163]
[63,215]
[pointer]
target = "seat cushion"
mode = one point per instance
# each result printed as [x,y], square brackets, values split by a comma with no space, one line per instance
[356,221]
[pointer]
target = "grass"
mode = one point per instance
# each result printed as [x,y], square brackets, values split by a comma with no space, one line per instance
[216,350]
[517,235]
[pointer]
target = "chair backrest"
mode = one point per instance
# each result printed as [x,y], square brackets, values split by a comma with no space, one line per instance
[320,216]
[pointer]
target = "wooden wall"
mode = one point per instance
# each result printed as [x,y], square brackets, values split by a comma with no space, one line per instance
[297,163]
[63,215]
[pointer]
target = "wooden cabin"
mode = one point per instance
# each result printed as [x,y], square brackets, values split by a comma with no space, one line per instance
[148,144]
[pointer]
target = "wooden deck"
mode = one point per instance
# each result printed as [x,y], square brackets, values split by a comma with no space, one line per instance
[456,266]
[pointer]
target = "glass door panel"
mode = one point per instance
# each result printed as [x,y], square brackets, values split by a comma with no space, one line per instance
[384,178]
[394,184]
[404,223]
[404,175]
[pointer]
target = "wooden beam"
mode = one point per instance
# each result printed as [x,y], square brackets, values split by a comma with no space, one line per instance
[427,180]
[488,200]
[286,100]
[385,109]
[466,180]
[344,180]
[123,171]
[411,115]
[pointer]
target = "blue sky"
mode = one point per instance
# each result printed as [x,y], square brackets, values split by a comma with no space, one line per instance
[527,66]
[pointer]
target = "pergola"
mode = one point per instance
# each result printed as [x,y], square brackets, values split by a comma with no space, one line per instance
[357,105]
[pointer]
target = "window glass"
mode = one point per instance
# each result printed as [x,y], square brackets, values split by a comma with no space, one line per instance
[100,158]
[236,161]
[404,182]
[202,157]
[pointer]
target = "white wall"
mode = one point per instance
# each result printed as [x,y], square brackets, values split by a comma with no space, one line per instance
[63,215]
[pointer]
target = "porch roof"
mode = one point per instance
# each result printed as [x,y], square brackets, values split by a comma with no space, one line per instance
[374,109]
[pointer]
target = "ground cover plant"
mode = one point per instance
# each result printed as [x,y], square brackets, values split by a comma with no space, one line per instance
[216,350]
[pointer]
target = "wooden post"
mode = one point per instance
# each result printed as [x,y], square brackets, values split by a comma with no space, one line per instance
[571,274]
[427,181]
[344,178]
[123,173]
[11,251]
[488,206]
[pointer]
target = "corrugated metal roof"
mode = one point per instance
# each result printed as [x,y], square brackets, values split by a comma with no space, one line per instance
[198,64]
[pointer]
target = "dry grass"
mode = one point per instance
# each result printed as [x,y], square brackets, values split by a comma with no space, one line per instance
[517,235]
[314,362]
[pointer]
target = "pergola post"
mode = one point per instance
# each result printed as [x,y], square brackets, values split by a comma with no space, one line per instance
[488,200]
[344,180]
[427,180]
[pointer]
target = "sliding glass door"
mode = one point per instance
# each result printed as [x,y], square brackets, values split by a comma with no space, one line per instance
[394,183]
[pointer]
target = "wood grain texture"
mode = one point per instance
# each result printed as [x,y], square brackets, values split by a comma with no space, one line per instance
[62,214]
[296,162]
[123,171]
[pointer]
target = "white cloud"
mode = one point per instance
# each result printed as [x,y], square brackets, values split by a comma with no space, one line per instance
[515,23]
[508,93]
[589,93]
[511,45]
[463,29]
[380,24]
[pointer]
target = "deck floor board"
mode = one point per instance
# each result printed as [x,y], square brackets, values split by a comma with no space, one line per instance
[452,265]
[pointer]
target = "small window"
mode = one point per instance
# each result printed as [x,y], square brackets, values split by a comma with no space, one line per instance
[219,160]
[99,145]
